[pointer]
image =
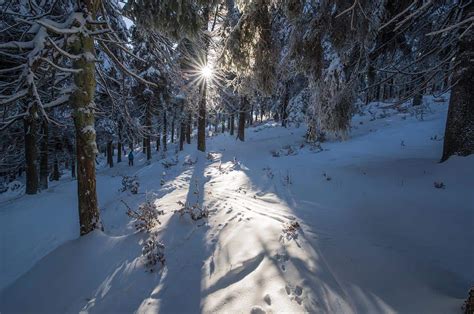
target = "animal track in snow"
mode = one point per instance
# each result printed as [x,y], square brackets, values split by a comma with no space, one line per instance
[295,293]
[257,310]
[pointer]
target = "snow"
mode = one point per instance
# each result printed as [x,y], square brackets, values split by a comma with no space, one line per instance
[376,235]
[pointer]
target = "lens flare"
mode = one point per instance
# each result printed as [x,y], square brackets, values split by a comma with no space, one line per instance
[207,72]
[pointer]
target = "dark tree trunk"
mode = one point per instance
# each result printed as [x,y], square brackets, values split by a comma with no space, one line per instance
[182,135]
[55,174]
[144,144]
[148,132]
[82,101]
[284,106]
[119,143]
[73,164]
[223,124]
[165,132]
[242,118]
[30,126]
[119,151]
[201,140]
[158,140]
[231,124]
[188,129]
[172,129]
[459,134]
[251,116]
[44,167]
[110,159]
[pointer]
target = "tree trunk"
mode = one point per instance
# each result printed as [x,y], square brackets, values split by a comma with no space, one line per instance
[188,129]
[73,165]
[284,106]
[119,143]
[82,101]
[55,174]
[148,132]
[44,167]
[172,129]
[232,124]
[182,135]
[223,124]
[201,140]
[110,159]
[242,118]
[30,126]
[251,116]
[459,134]
[165,132]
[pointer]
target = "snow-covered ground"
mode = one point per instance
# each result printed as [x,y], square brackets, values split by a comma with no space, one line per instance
[376,235]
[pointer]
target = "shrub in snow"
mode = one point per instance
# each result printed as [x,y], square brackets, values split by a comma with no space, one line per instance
[269,172]
[146,217]
[194,211]
[468,306]
[287,179]
[14,186]
[130,183]
[188,161]
[153,251]
[439,185]
[3,187]
[328,178]
[286,150]
[290,230]
[168,163]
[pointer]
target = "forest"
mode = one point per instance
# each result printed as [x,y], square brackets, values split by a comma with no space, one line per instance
[235,156]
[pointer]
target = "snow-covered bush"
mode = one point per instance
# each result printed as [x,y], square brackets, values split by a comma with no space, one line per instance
[170,162]
[153,252]
[286,178]
[194,211]
[14,186]
[146,217]
[188,161]
[468,306]
[290,230]
[286,150]
[268,172]
[130,183]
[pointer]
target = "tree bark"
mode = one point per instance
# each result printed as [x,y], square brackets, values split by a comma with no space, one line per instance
[110,159]
[172,128]
[201,140]
[165,132]
[188,129]
[119,142]
[284,106]
[82,101]
[242,118]
[30,126]
[182,135]
[55,174]
[459,134]
[231,124]
[148,132]
[44,167]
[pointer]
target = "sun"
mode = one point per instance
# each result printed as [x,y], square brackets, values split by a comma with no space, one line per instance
[207,72]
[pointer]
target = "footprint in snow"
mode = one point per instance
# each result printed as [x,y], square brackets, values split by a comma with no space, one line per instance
[295,293]
[257,310]
[267,299]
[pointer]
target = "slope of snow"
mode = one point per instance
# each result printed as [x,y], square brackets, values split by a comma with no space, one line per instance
[376,235]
